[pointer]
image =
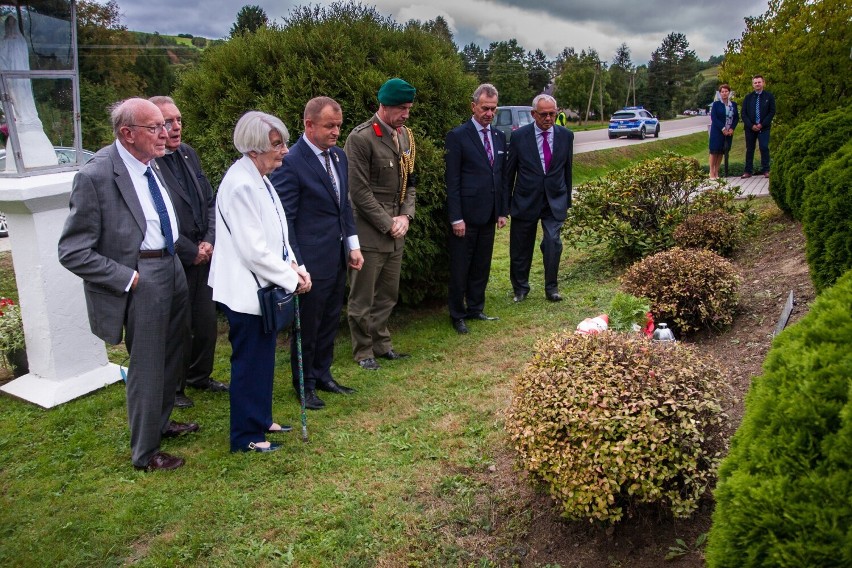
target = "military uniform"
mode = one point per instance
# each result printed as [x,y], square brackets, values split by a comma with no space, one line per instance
[379,190]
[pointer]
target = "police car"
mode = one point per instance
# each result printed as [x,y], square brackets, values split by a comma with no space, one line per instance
[633,121]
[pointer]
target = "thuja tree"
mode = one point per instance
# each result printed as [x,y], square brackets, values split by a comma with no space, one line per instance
[344,51]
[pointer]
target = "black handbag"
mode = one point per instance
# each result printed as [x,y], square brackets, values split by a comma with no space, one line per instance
[277,308]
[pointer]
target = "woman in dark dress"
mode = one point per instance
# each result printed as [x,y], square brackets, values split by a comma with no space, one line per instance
[723,119]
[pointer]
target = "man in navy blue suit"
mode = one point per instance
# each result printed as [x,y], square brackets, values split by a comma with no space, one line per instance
[313,185]
[476,200]
[538,179]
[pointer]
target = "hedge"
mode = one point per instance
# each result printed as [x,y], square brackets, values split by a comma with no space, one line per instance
[783,495]
[803,151]
[827,218]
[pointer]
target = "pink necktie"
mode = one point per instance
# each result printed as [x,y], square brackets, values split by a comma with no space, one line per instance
[545,148]
[488,146]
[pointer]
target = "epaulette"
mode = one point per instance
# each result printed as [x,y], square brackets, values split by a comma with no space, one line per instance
[362,126]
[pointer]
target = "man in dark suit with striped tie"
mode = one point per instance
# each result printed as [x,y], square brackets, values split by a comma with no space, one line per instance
[476,200]
[538,178]
[313,185]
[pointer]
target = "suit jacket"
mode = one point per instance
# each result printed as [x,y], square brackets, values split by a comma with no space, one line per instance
[475,189]
[319,224]
[101,238]
[528,186]
[718,115]
[191,232]
[374,184]
[767,110]
[252,236]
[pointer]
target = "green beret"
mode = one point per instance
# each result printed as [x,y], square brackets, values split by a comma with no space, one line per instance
[396,92]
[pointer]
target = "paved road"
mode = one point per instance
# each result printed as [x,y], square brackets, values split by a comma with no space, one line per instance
[592,140]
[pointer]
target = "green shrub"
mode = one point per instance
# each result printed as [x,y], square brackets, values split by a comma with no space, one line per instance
[625,310]
[827,218]
[783,497]
[716,231]
[804,149]
[344,51]
[635,210]
[690,289]
[610,421]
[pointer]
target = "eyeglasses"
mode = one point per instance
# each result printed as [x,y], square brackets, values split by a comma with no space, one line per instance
[545,114]
[170,123]
[278,146]
[152,129]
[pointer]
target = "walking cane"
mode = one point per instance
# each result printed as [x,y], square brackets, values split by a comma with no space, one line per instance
[298,330]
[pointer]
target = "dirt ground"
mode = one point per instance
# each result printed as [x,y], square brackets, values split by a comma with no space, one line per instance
[771,265]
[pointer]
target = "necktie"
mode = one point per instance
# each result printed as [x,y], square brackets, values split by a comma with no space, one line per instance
[545,148]
[488,146]
[331,175]
[162,212]
[395,139]
[757,108]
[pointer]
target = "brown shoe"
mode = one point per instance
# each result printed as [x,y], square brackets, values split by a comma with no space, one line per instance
[766,175]
[175,429]
[746,175]
[162,460]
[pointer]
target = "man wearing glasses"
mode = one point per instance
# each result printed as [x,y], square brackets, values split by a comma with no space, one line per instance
[538,178]
[194,204]
[119,237]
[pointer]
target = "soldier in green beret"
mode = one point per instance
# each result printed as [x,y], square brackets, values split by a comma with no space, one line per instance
[381,187]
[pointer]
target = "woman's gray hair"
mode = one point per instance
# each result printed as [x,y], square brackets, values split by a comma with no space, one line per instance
[251,134]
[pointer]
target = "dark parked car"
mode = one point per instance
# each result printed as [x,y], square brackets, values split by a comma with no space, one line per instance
[510,118]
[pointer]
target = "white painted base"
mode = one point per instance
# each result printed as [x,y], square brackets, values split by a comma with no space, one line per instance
[49,393]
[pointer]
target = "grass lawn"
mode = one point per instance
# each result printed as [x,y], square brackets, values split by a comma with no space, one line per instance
[387,478]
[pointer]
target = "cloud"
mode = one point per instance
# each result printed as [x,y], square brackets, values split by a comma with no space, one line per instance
[549,25]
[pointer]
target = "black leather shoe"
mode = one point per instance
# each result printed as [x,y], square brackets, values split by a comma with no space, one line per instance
[183,401]
[176,429]
[460,326]
[284,429]
[393,355]
[312,401]
[554,297]
[162,460]
[211,385]
[252,447]
[369,364]
[335,387]
[481,316]
[520,297]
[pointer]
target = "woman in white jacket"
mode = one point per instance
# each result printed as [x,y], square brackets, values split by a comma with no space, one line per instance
[254,240]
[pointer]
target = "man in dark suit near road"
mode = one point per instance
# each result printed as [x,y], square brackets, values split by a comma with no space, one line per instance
[119,238]
[476,200]
[538,178]
[758,110]
[194,204]
[313,184]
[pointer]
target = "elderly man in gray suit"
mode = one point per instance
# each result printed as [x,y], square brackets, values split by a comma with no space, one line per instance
[120,239]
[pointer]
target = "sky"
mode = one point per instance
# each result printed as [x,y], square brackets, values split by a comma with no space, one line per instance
[549,25]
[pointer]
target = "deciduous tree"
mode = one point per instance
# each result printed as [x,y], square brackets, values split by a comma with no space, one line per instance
[671,75]
[250,18]
[802,50]
[345,51]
